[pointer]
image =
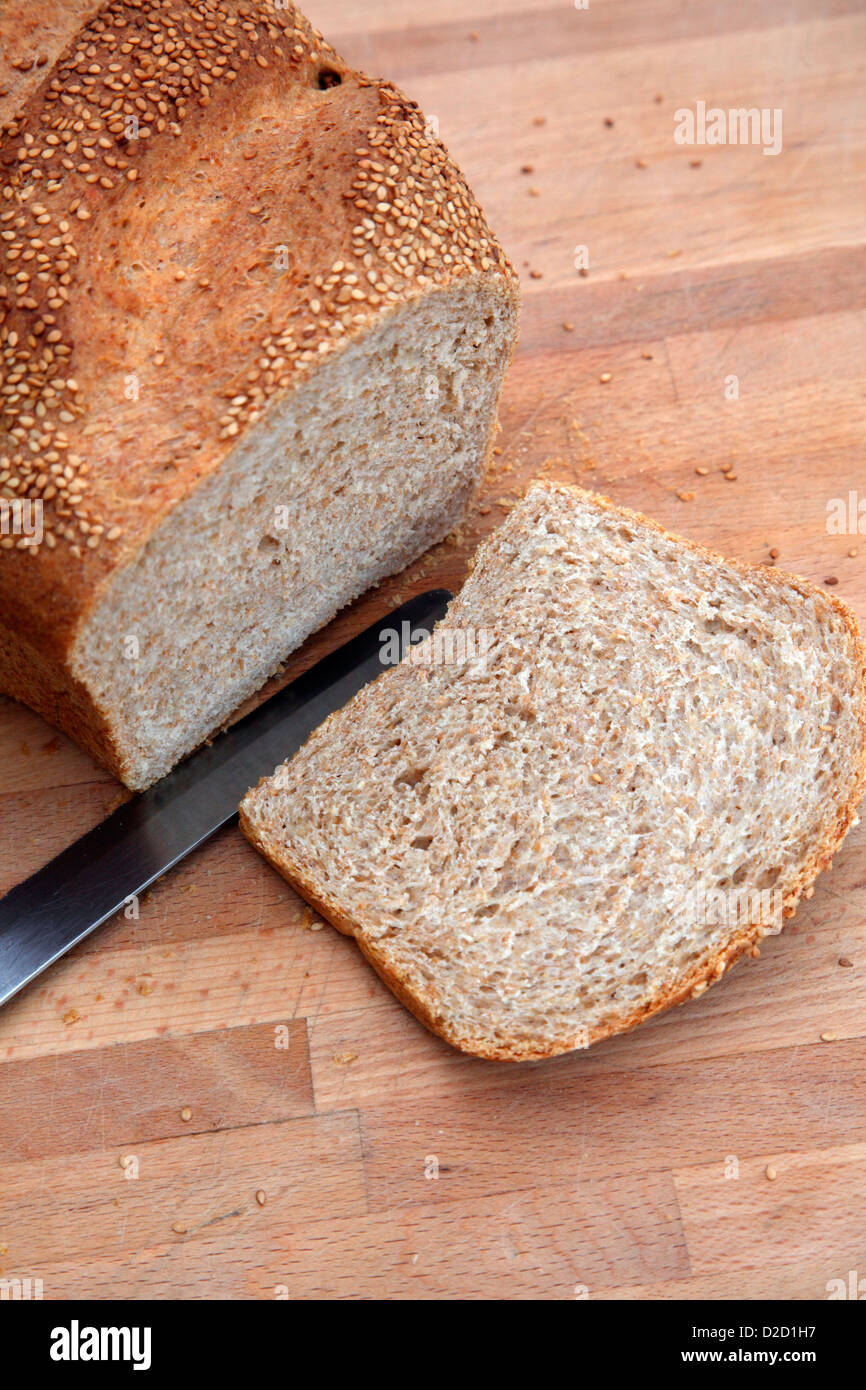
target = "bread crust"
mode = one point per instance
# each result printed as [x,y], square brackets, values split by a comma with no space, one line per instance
[216,204]
[707,970]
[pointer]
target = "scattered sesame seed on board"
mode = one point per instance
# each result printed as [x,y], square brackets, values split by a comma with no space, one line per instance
[186,1113]
[536,274]
[852,553]
[701,471]
[770,1173]
[774,553]
[527,168]
[730,477]
[605,377]
[828,1035]
[641,164]
[261,1197]
[342,1059]
[685,496]
[831,580]
[569,327]
[179,1228]
[846,962]
[608,120]
[695,163]
[647,356]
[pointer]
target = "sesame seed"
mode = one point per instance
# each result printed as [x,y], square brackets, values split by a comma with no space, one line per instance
[769,1170]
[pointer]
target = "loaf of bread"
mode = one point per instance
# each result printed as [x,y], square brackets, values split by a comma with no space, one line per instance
[617,764]
[253,329]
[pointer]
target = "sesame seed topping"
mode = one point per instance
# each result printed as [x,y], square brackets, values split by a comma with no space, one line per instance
[131,79]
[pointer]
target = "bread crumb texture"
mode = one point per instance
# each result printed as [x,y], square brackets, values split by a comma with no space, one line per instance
[518,842]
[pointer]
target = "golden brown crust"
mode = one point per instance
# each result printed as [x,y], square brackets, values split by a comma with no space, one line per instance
[705,971]
[33,34]
[199,201]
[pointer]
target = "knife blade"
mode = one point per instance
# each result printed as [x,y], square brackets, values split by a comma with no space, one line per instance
[50,912]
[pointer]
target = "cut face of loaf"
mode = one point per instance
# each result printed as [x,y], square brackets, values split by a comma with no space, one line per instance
[348,480]
[640,764]
[253,329]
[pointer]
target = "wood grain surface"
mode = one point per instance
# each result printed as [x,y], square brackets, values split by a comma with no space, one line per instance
[220,1099]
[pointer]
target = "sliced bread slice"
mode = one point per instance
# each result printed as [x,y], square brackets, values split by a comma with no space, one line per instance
[618,763]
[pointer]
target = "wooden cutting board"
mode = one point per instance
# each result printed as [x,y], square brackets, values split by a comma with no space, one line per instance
[722,325]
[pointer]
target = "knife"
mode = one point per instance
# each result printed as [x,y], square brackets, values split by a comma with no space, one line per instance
[50,912]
